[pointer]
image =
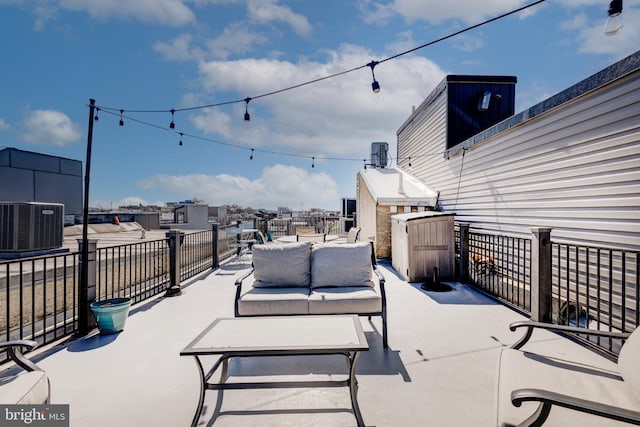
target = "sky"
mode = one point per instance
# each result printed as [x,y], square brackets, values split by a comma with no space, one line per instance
[302,147]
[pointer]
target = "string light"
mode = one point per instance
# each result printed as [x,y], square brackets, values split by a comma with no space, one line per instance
[375,86]
[371,64]
[272,152]
[247,117]
[613,24]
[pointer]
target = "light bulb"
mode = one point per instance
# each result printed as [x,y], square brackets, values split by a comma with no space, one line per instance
[614,24]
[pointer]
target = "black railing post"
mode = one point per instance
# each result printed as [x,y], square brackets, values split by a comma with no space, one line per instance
[87,291]
[175,237]
[239,237]
[464,252]
[541,292]
[215,257]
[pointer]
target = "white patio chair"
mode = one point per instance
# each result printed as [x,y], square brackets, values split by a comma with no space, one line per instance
[30,386]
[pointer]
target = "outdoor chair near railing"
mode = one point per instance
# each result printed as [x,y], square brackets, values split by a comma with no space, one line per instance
[353,235]
[533,388]
[25,384]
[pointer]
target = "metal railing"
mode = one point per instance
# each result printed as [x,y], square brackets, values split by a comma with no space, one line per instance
[38,297]
[596,287]
[196,253]
[501,266]
[137,270]
[287,226]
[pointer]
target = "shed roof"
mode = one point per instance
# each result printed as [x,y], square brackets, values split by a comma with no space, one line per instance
[410,216]
[391,186]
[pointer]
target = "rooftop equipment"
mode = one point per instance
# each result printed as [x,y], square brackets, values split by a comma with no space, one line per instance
[30,226]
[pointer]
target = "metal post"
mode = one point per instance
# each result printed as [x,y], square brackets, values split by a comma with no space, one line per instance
[174,242]
[84,319]
[88,270]
[464,253]
[239,236]
[215,260]
[541,309]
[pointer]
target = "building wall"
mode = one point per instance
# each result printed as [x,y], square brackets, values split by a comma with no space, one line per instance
[366,211]
[571,163]
[34,177]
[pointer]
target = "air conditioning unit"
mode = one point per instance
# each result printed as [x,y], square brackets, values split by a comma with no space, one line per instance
[379,152]
[30,226]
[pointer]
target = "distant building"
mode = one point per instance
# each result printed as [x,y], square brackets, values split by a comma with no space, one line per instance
[217,212]
[191,216]
[26,176]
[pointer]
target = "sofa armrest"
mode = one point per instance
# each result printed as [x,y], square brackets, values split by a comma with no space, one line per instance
[530,325]
[243,277]
[547,399]
[239,281]
[383,295]
[14,350]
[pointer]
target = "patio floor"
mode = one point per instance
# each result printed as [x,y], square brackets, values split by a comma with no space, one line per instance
[439,369]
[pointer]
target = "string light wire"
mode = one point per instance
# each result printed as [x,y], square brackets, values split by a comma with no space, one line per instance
[338,74]
[262,150]
[372,64]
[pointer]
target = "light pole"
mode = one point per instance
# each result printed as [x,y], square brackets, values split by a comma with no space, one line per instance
[83,303]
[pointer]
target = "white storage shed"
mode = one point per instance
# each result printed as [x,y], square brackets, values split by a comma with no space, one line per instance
[422,241]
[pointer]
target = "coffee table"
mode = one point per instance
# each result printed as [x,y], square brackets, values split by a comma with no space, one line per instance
[278,336]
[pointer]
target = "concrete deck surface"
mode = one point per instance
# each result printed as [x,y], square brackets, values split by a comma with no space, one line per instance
[439,369]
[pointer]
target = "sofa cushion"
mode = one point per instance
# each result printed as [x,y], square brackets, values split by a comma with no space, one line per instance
[341,265]
[25,388]
[628,362]
[273,301]
[343,300]
[282,265]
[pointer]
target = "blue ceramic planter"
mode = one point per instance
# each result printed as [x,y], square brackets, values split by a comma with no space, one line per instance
[111,314]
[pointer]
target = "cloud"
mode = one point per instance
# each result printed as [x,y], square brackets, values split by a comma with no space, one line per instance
[278,185]
[3,125]
[235,39]
[179,49]
[49,127]
[340,116]
[266,11]
[591,40]
[167,12]
[437,12]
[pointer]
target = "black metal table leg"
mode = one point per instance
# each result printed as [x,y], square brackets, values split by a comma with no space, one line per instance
[353,389]
[203,388]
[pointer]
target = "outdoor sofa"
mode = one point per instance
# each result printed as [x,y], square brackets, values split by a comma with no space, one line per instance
[534,389]
[305,278]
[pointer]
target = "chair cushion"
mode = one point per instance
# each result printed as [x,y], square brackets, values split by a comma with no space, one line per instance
[341,265]
[262,301]
[25,388]
[342,300]
[284,265]
[628,362]
[518,370]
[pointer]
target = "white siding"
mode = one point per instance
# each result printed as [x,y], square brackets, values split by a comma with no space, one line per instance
[575,168]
